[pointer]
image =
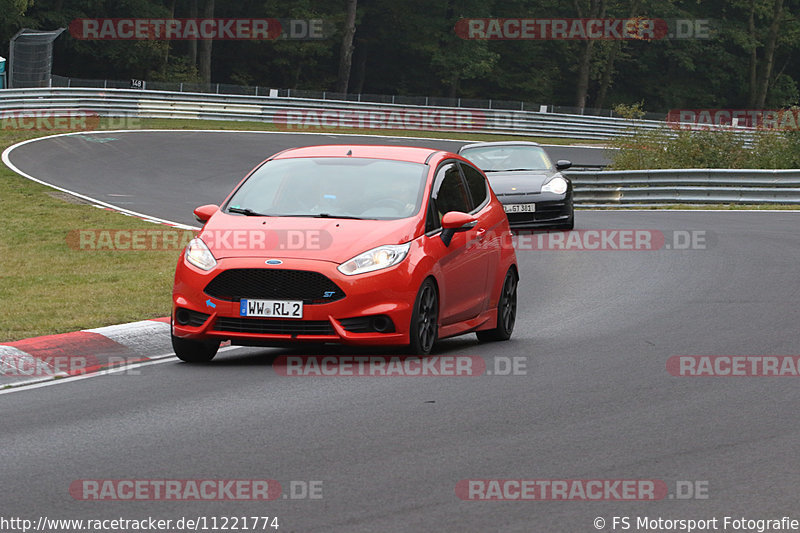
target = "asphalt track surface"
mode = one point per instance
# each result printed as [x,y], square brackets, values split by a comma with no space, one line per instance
[168,174]
[595,401]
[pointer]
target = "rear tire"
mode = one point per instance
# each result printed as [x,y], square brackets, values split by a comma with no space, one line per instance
[424,320]
[194,351]
[506,311]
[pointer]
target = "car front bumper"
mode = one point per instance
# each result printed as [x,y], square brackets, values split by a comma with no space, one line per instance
[388,294]
[551,210]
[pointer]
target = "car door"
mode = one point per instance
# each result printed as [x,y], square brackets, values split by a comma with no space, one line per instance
[463,278]
[486,236]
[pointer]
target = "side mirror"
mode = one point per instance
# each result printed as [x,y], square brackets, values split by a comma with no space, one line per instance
[563,164]
[204,212]
[455,222]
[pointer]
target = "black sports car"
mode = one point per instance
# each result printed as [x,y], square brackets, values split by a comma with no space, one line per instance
[532,190]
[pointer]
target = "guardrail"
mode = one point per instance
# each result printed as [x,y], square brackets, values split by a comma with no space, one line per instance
[301,114]
[685,186]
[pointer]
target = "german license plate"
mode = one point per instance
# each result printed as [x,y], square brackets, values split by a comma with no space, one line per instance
[519,208]
[272,308]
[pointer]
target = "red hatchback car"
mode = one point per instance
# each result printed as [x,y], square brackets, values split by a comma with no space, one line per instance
[361,245]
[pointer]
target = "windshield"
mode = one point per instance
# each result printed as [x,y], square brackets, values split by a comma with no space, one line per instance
[500,158]
[332,187]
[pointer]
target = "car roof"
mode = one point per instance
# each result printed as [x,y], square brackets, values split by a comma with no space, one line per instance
[499,143]
[411,154]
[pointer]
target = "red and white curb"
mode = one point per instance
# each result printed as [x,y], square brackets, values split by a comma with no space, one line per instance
[83,352]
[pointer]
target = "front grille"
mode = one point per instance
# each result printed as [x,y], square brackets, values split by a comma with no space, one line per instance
[544,211]
[274,284]
[268,326]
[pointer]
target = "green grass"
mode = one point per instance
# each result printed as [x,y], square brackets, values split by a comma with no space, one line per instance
[49,287]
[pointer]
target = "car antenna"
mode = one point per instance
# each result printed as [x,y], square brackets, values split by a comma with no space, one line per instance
[349,152]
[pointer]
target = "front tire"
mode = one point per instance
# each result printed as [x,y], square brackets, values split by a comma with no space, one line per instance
[424,320]
[194,351]
[506,311]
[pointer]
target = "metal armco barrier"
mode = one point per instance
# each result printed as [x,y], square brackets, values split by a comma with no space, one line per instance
[300,114]
[686,186]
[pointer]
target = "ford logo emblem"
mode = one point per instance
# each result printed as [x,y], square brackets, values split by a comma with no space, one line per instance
[273,262]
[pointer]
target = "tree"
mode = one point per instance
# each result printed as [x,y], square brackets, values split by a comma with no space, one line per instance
[346,55]
[763,78]
[206,46]
[13,12]
[595,9]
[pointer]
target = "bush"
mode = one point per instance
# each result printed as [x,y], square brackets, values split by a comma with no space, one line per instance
[682,148]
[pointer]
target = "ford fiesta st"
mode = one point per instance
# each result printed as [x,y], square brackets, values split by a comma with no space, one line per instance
[533,191]
[361,245]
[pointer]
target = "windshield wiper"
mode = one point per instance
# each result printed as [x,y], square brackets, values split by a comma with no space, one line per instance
[328,215]
[246,211]
[510,170]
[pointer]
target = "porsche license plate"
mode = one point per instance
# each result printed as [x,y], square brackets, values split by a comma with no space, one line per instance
[519,208]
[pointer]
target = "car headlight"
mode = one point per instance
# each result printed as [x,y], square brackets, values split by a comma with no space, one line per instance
[556,185]
[198,254]
[375,259]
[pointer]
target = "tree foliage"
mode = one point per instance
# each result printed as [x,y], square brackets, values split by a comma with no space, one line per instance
[752,58]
